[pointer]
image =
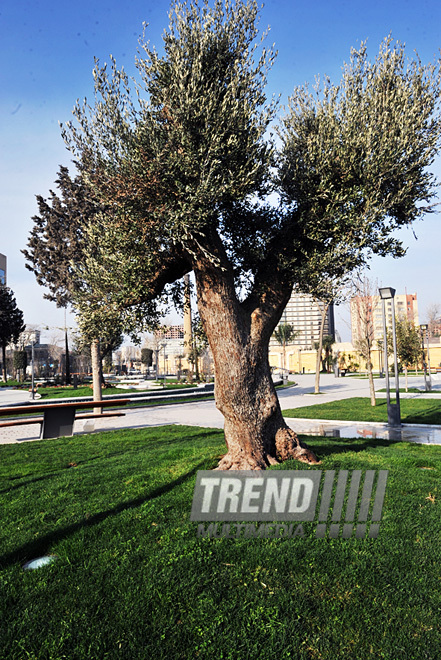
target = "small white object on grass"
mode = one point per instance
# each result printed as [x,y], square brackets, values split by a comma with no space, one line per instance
[38,562]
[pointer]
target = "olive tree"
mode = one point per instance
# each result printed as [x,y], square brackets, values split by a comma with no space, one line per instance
[184,161]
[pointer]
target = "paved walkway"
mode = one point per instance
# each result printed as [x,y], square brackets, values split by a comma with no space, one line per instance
[204,413]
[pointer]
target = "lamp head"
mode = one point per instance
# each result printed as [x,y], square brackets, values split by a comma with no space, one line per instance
[386,293]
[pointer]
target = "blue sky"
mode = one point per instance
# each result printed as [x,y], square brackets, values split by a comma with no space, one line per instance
[47,51]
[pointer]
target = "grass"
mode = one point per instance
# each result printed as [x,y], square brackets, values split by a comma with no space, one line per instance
[133,581]
[359,409]
[67,392]
[413,390]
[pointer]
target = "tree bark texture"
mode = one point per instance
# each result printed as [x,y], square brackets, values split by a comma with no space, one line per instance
[5,375]
[255,431]
[371,380]
[96,374]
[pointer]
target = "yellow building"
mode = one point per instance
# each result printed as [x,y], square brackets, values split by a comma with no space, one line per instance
[301,360]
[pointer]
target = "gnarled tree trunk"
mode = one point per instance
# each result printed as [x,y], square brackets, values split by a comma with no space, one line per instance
[255,431]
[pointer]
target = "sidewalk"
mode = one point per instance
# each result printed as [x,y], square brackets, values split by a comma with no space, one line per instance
[205,413]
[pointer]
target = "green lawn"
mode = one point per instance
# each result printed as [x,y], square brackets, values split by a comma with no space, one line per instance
[133,581]
[68,391]
[413,390]
[359,409]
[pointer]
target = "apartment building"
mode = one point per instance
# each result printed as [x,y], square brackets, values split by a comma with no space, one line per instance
[305,315]
[368,309]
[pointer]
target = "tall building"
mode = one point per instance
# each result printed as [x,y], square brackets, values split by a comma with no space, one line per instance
[173,338]
[303,313]
[368,309]
[2,269]
[171,332]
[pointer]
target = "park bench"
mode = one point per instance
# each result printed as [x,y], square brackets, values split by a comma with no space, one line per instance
[58,418]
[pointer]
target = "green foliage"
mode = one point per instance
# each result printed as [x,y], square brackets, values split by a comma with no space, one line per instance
[11,322]
[284,333]
[354,155]
[178,162]
[57,239]
[64,253]
[193,141]
[11,318]
[180,167]
[20,362]
[409,349]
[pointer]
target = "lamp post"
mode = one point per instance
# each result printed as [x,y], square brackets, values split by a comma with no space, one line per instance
[427,379]
[157,362]
[380,356]
[33,355]
[165,368]
[393,409]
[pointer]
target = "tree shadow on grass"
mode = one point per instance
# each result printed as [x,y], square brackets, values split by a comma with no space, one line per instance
[431,415]
[343,445]
[43,545]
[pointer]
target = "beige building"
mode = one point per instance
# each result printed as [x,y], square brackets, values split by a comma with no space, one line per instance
[305,315]
[368,310]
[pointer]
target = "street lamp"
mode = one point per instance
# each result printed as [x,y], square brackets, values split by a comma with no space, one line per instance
[380,357]
[393,409]
[427,380]
[157,349]
[33,355]
[165,368]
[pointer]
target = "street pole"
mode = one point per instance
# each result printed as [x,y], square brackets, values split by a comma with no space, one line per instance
[157,363]
[393,409]
[165,368]
[397,383]
[386,364]
[32,386]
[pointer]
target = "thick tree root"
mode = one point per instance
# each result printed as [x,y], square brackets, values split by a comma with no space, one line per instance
[240,461]
[287,446]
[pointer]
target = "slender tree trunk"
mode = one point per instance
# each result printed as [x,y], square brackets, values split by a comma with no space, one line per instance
[371,380]
[5,374]
[96,375]
[66,343]
[255,431]
[320,347]
[405,376]
[196,364]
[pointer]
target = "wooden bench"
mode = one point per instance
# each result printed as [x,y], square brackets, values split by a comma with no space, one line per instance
[58,418]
